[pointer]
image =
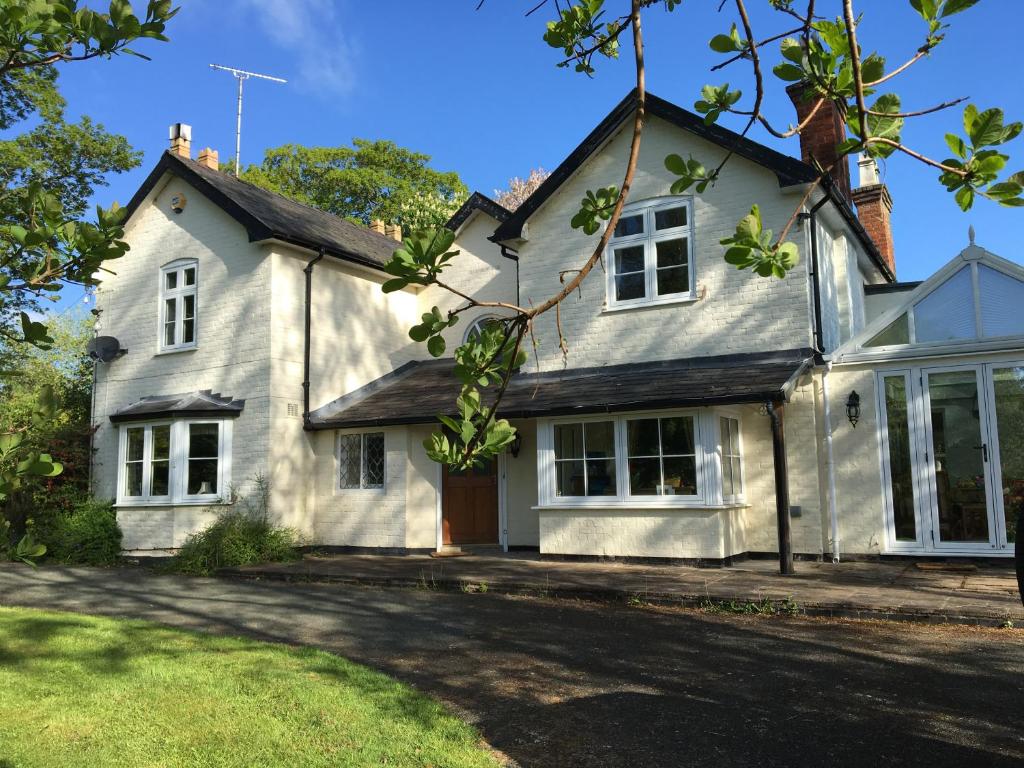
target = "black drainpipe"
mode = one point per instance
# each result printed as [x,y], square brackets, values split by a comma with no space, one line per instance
[775,414]
[305,351]
[510,254]
[819,341]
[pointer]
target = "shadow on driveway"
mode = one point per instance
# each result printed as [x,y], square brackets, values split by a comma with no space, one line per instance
[560,683]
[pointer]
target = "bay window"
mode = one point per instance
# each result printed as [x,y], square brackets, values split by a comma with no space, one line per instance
[650,254]
[174,462]
[178,293]
[673,459]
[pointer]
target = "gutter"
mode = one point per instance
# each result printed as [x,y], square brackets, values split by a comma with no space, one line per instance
[511,253]
[811,217]
[308,270]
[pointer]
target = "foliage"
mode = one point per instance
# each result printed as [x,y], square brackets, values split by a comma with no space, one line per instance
[369,180]
[243,535]
[80,690]
[595,208]
[89,535]
[751,248]
[47,175]
[520,189]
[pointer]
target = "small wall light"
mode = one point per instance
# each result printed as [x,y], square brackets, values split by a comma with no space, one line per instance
[853,408]
[517,444]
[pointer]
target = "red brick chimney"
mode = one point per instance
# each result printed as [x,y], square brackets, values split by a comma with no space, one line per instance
[874,209]
[823,132]
[181,140]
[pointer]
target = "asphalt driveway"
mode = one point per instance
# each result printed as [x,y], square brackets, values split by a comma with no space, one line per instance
[561,683]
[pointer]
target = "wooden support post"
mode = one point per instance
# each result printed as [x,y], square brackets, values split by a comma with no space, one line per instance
[775,413]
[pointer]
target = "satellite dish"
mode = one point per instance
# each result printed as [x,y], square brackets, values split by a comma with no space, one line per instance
[104,349]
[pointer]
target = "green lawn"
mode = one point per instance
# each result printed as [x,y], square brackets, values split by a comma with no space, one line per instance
[84,691]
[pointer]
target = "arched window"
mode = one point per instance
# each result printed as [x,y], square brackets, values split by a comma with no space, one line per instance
[478,325]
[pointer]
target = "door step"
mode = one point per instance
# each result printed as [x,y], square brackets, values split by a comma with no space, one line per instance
[449,550]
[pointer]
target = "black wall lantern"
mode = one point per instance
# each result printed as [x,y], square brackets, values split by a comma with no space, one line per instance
[853,408]
[517,443]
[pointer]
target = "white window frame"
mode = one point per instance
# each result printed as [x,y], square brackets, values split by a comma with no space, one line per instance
[178,294]
[363,488]
[178,472]
[737,498]
[709,488]
[649,239]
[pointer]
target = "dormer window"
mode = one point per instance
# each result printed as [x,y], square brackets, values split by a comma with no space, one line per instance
[650,254]
[178,306]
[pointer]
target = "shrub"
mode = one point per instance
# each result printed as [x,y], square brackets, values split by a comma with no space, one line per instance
[241,536]
[88,535]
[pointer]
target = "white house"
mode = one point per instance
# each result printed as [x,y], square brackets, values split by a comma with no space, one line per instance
[702,413]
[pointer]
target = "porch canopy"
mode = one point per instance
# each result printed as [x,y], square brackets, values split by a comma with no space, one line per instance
[418,391]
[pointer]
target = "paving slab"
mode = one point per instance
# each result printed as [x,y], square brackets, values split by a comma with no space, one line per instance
[895,590]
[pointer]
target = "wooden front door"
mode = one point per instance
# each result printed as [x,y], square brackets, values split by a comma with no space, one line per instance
[469,505]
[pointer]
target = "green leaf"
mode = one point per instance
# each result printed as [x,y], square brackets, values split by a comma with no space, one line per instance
[788,72]
[965,198]
[722,44]
[956,6]
[436,346]
[983,128]
[792,50]
[956,145]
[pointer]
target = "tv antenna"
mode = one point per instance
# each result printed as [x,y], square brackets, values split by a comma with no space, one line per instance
[242,75]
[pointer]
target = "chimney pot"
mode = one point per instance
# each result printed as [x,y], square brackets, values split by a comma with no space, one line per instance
[377,225]
[180,135]
[208,157]
[393,231]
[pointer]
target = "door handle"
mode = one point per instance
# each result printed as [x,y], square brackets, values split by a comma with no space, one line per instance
[984,451]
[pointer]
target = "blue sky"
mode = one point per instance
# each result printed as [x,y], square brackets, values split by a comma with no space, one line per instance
[478,90]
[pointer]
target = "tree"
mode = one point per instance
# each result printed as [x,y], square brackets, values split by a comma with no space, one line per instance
[369,180]
[823,54]
[49,172]
[520,189]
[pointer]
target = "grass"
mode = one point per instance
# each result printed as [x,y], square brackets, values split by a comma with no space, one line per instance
[85,691]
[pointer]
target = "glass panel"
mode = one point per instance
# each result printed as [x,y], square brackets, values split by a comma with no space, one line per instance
[170,280]
[667,218]
[569,478]
[600,476]
[133,479]
[162,442]
[1001,300]
[671,253]
[189,323]
[568,441]
[644,476]
[170,315]
[160,478]
[136,440]
[632,224]
[630,287]
[900,466]
[642,437]
[948,312]
[1009,390]
[677,435]
[629,259]
[190,276]
[203,441]
[737,475]
[349,460]
[675,280]
[202,477]
[600,439]
[373,456]
[957,456]
[897,332]
[680,476]
[727,486]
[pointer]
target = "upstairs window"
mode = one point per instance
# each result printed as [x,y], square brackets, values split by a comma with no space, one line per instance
[650,254]
[178,310]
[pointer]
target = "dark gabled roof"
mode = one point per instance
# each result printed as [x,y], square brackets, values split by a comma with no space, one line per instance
[201,403]
[417,392]
[477,202]
[788,170]
[267,215]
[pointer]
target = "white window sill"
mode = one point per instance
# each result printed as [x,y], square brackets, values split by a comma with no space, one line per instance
[688,299]
[213,501]
[639,505]
[359,491]
[177,350]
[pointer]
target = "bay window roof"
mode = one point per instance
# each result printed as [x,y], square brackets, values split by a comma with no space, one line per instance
[418,391]
[201,403]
